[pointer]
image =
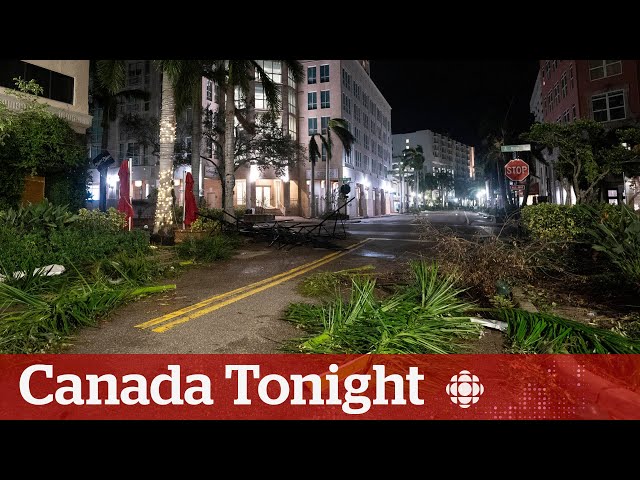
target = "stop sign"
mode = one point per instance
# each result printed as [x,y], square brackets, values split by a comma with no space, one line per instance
[516,170]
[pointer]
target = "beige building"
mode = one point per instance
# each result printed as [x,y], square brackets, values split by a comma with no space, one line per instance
[65,84]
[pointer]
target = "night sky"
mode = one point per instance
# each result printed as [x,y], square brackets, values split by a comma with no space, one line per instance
[460,99]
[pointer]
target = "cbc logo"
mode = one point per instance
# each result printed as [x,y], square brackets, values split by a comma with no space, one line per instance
[465,389]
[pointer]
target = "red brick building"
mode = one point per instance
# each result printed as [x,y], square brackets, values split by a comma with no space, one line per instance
[606,91]
[602,90]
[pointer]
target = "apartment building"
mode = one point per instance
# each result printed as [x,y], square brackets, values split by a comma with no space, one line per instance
[606,91]
[344,89]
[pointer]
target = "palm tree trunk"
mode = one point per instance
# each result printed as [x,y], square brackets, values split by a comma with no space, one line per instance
[229,140]
[102,205]
[313,189]
[196,141]
[164,205]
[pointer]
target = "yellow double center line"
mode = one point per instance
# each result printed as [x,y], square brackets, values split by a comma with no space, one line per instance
[165,322]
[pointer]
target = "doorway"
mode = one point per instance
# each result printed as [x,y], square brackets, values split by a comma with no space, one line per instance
[263,196]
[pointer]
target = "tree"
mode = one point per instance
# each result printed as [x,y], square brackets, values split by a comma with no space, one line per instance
[268,147]
[414,158]
[587,153]
[340,128]
[444,181]
[108,81]
[35,141]
[240,75]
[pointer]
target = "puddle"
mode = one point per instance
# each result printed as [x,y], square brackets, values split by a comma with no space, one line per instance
[371,253]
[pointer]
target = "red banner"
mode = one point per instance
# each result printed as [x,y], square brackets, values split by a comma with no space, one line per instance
[331,387]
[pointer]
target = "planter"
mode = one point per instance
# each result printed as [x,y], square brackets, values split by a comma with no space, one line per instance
[183,235]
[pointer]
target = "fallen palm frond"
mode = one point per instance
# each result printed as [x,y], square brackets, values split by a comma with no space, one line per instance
[423,317]
[32,323]
[532,332]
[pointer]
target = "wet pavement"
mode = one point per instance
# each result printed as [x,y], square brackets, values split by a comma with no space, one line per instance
[237,305]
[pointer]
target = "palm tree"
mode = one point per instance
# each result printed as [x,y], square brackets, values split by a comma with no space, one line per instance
[340,127]
[108,81]
[414,158]
[240,75]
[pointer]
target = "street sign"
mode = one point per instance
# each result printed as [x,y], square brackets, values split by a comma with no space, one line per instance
[346,179]
[515,148]
[516,170]
[517,187]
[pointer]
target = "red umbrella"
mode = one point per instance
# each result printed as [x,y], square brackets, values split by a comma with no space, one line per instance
[190,207]
[124,203]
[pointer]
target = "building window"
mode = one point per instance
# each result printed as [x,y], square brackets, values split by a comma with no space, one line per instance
[604,68]
[550,100]
[358,156]
[563,84]
[565,116]
[573,112]
[133,152]
[312,100]
[325,99]
[292,101]
[548,69]
[313,125]
[260,99]
[366,141]
[324,152]
[273,69]
[356,134]
[209,90]
[55,86]
[356,90]
[134,73]
[346,79]
[356,112]
[215,93]
[311,75]
[324,73]
[571,76]
[324,124]
[608,106]
[556,91]
[293,127]
[346,103]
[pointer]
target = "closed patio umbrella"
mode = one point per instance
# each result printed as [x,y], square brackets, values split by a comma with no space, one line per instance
[124,202]
[190,207]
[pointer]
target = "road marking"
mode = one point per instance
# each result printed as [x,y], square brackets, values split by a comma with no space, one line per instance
[224,299]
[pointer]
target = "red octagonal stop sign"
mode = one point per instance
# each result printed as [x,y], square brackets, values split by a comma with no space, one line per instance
[516,170]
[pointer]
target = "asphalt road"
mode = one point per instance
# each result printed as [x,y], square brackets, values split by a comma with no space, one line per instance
[237,305]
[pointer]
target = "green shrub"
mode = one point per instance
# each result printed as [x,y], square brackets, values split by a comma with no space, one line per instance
[618,237]
[42,216]
[19,252]
[209,249]
[551,222]
[110,221]
[83,246]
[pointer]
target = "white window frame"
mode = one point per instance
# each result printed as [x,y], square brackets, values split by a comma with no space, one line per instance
[605,65]
[607,96]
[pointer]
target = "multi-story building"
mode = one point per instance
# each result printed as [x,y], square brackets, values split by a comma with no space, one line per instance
[344,89]
[606,91]
[441,153]
[326,90]
[65,85]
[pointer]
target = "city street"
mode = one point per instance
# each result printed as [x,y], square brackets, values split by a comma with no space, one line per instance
[236,306]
